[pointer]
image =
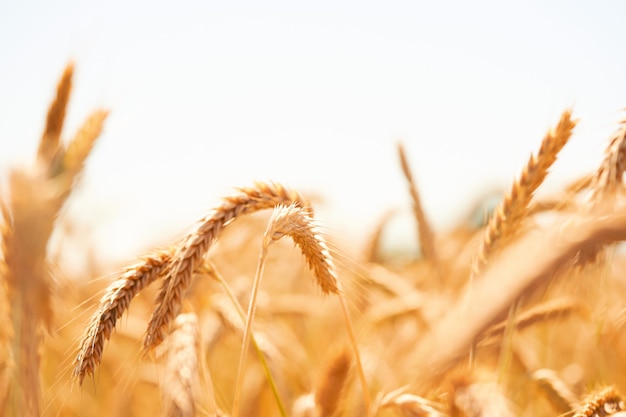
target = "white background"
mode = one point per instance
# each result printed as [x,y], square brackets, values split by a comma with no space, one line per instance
[206,96]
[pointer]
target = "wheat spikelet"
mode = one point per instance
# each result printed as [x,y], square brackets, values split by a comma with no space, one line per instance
[181,385]
[604,402]
[112,307]
[424,231]
[331,385]
[195,246]
[510,213]
[49,143]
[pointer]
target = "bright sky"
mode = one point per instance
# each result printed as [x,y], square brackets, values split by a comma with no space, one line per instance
[208,95]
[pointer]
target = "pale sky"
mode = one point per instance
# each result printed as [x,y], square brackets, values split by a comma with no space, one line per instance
[206,96]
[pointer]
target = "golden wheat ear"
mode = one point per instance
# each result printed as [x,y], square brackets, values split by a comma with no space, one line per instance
[181,383]
[295,222]
[50,139]
[113,305]
[507,218]
[192,251]
[603,402]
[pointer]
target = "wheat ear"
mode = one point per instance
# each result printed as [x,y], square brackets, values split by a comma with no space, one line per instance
[70,162]
[181,385]
[112,307]
[507,218]
[49,143]
[604,402]
[424,230]
[191,253]
[611,171]
[294,222]
[331,385]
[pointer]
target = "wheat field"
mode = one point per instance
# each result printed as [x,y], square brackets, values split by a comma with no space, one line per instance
[256,311]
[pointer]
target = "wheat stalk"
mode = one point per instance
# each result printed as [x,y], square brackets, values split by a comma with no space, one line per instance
[295,222]
[424,230]
[507,218]
[191,252]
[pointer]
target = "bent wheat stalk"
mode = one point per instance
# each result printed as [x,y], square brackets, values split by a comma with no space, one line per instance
[296,223]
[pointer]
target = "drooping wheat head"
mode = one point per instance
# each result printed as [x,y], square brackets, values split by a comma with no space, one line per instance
[191,252]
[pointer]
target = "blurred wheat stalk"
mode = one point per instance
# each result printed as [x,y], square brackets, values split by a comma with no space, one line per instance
[30,209]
